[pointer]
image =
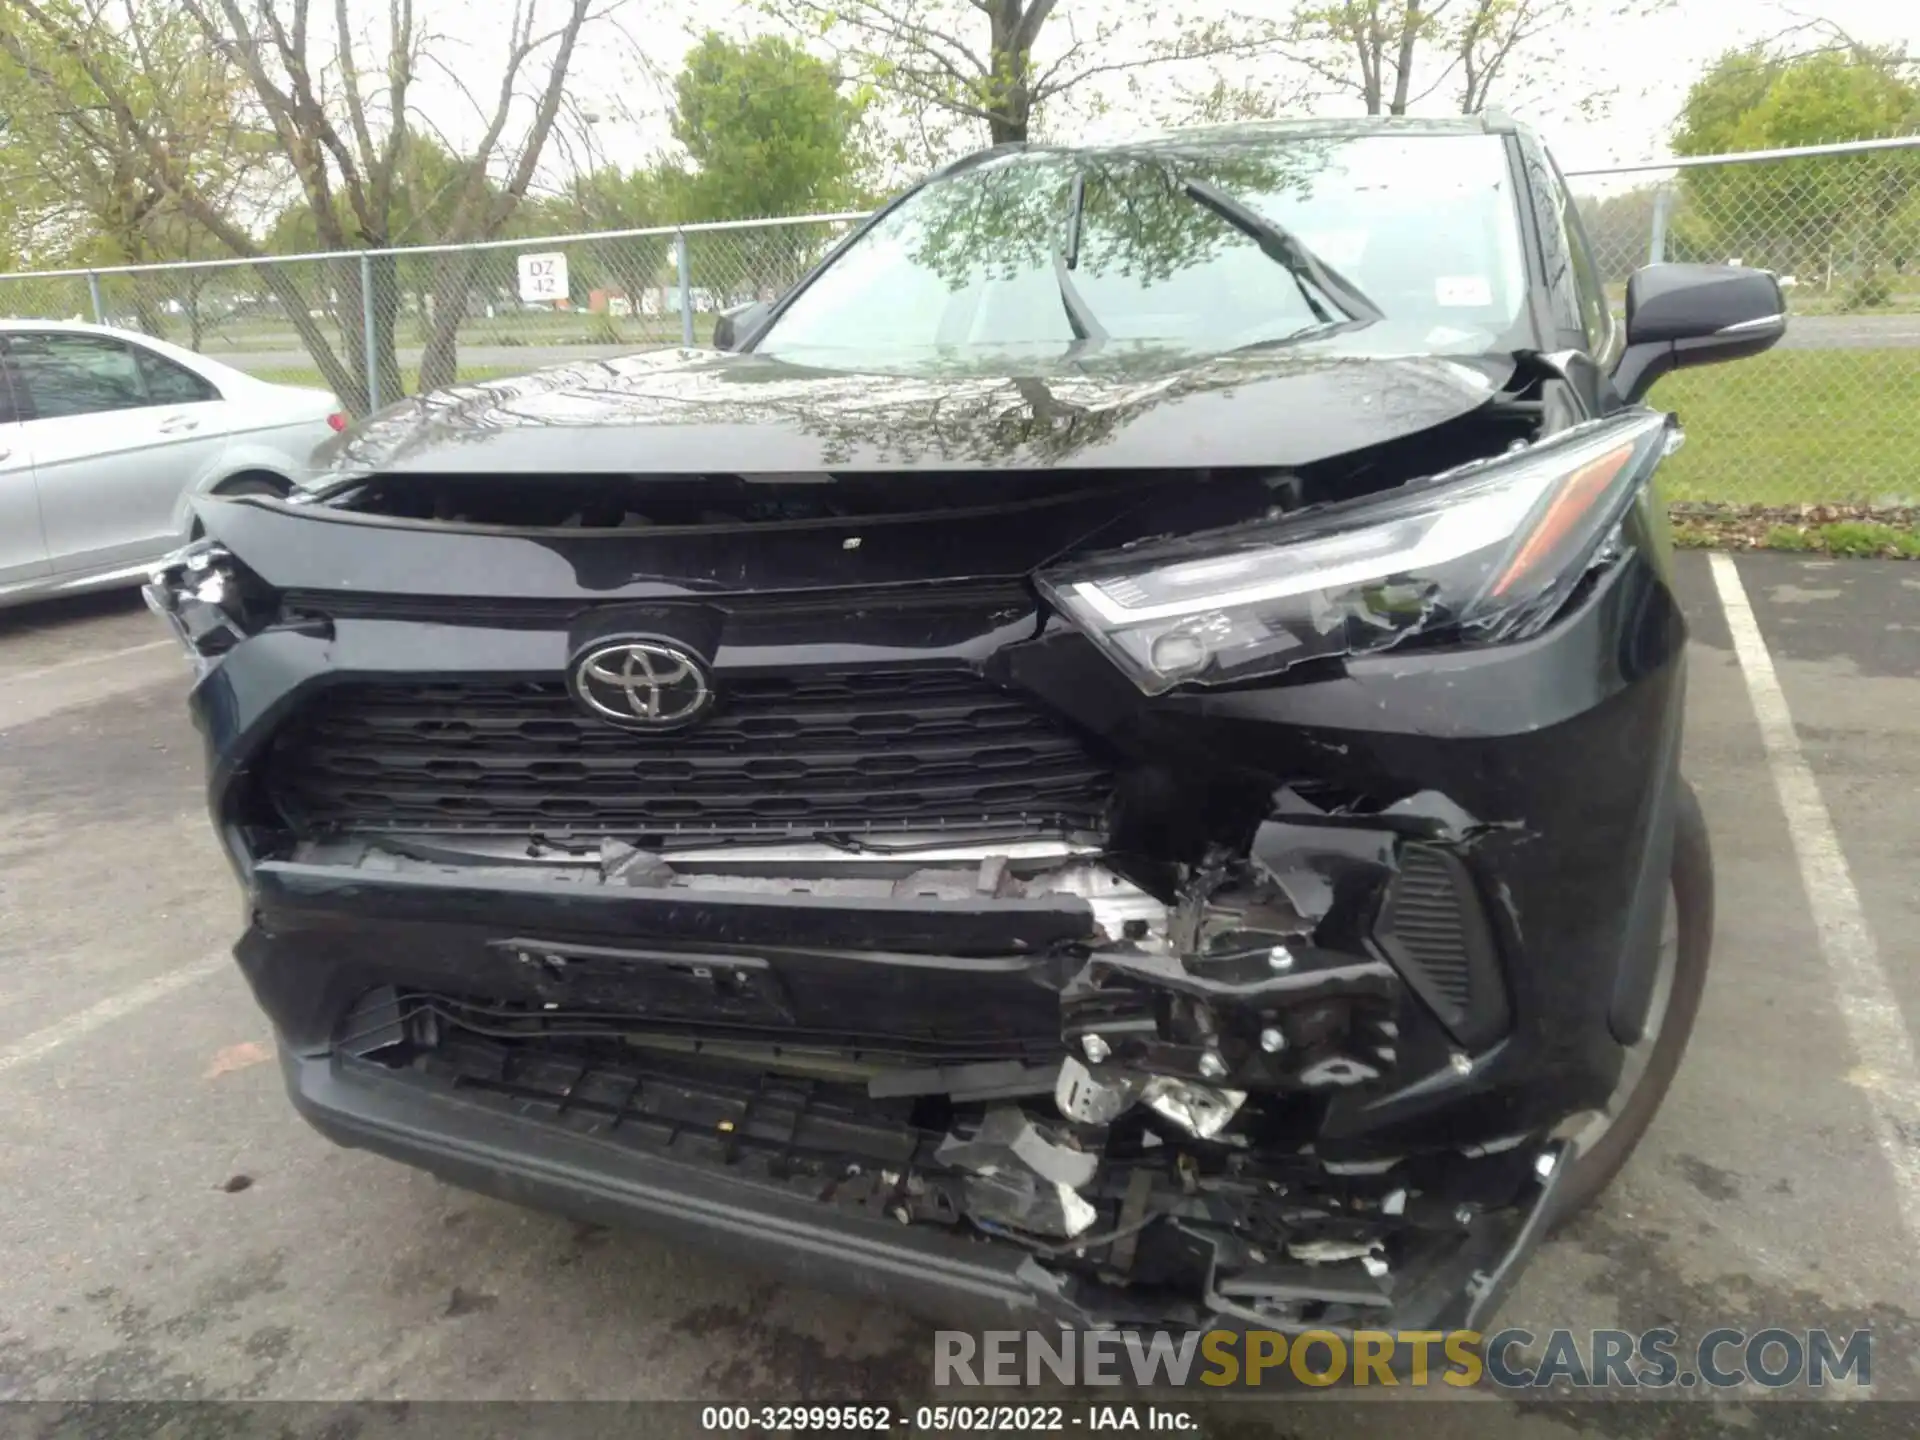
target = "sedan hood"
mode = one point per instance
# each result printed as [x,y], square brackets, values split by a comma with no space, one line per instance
[697,412]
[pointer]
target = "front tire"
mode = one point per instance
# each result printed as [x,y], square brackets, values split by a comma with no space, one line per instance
[1686,941]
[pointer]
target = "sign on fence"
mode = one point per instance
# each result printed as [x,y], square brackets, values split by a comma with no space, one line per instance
[544,277]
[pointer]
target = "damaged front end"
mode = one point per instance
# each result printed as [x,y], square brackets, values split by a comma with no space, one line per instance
[1227,928]
[1133,1092]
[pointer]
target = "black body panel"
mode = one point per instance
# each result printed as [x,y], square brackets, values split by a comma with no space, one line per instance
[691,413]
[1564,749]
[922,859]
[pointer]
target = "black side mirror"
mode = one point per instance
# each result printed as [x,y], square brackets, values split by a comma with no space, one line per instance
[1680,315]
[737,324]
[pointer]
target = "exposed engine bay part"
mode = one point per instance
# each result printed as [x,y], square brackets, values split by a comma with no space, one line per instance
[1287,968]
[1167,1135]
[1201,1111]
[1155,1196]
[1020,1177]
[1120,909]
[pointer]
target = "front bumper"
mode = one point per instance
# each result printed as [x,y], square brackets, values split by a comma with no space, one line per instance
[532,1162]
[1556,759]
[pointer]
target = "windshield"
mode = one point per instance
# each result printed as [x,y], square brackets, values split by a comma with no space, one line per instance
[984,262]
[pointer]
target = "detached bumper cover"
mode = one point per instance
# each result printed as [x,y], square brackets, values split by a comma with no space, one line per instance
[534,1162]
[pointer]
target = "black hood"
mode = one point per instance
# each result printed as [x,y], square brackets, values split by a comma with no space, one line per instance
[700,412]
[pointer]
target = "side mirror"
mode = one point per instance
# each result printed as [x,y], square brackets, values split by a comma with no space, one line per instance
[734,325]
[1681,315]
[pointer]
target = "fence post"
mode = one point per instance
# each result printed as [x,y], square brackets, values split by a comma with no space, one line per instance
[372,369]
[93,291]
[1657,247]
[686,288]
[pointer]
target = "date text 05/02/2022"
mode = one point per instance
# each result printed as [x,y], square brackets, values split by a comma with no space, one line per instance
[946,1419]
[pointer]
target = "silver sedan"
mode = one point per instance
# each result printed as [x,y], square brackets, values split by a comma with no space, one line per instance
[105,437]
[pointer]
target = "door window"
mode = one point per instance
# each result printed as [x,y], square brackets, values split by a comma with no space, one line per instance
[1596,313]
[75,374]
[171,384]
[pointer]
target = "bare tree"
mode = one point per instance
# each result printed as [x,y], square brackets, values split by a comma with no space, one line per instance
[1397,55]
[984,60]
[337,109]
[1367,48]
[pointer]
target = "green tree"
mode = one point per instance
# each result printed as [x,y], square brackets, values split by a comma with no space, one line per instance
[1811,216]
[72,189]
[335,107]
[769,130]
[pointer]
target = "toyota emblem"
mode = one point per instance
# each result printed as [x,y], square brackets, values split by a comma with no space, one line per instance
[643,684]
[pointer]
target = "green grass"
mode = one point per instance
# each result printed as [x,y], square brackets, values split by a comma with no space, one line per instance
[509,329]
[1798,426]
[1859,538]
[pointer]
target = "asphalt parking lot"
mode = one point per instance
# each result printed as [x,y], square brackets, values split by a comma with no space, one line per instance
[171,1229]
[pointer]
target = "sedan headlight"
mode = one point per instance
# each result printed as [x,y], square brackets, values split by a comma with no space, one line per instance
[1488,551]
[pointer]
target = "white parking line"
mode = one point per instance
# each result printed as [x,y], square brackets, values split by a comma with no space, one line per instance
[62,1032]
[55,669]
[1886,1072]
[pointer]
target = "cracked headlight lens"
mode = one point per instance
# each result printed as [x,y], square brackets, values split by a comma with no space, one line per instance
[1486,552]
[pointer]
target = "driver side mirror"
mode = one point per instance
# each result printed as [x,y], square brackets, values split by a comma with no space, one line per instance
[732,326]
[1682,315]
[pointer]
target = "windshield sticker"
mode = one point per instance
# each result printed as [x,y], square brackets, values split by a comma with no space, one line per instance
[1465,290]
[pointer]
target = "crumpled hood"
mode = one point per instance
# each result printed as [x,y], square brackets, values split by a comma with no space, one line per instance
[690,412]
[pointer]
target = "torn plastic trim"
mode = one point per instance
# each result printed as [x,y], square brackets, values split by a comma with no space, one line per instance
[1018,1175]
[498,1145]
[1400,876]
[1271,1230]
[206,599]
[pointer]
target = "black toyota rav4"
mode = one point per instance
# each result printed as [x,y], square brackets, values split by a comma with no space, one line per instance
[1112,756]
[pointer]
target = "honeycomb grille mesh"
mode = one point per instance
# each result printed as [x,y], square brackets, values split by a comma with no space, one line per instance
[848,752]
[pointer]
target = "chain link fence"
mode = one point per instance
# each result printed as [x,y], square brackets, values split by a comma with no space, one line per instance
[1831,416]
[373,325]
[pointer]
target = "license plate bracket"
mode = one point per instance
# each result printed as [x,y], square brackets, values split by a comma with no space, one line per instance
[671,984]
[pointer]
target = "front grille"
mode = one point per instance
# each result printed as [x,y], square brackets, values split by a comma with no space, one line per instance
[853,752]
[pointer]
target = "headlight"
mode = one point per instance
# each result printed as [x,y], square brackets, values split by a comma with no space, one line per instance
[1489,551]
[202,594]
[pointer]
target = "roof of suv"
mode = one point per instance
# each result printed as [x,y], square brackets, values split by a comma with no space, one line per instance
[1488,122]
[1194,138]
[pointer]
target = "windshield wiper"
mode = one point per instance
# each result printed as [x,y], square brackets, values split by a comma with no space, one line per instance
[1278,243]
[1076,203]
[1086,329]
[1080,318]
